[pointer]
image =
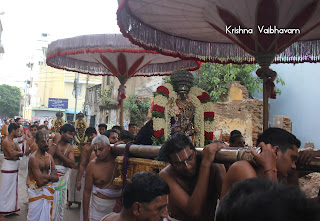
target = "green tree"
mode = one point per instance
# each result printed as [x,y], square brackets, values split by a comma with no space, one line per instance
[10,98]
[137,108]
[106,96]
[214,78]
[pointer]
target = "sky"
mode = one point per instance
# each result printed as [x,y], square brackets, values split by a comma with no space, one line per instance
[23,23]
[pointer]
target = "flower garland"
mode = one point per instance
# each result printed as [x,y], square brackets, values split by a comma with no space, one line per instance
[163,109]
[57,124]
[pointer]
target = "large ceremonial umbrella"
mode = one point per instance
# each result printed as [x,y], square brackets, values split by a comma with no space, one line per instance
[114,55]
[229,31]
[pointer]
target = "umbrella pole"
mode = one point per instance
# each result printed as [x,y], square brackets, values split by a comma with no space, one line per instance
[121,114]
[121,91]
[265,105]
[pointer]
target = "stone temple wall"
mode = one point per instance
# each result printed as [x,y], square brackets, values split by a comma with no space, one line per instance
[238,112]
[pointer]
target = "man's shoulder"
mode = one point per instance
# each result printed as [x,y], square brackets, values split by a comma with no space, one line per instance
[241,164]
[7,143]
[242,169]
[167,172]
[33,158]
[91,164]
[111,217]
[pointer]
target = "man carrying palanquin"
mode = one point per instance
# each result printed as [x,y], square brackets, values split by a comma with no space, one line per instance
[195,181]
[9,172]
[41,172]
[63,156]
[277,160]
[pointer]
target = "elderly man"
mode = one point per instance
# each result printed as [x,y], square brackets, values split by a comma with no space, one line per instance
[195,183]
[145,197]
[63,156]
[276,161]
[100,174]
[42,172]
[9,172]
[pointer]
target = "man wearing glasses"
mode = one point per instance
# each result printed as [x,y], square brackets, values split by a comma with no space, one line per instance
[100,174]
[195,181]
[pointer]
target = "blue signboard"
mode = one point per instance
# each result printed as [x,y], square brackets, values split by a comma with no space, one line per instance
[58,103]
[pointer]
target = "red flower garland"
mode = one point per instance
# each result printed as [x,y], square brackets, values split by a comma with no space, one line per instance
[158,108]
[204,97]
[208,135]
[208,115]
[159,133]
[163,90]
[123,96]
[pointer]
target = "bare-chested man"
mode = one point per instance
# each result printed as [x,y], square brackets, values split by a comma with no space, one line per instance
[99,177]
[85,155]
[63,156]
[31,143]
[195,183]
[276,161]
[145,197]
[42,172]
[21,137]
[9,172]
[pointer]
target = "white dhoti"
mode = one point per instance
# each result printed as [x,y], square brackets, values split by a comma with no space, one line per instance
[100,207]
[9,187]
[81,194]
[40,203]
[60,188]
[74,195]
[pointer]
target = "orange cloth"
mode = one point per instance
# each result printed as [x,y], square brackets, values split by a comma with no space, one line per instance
[3,130]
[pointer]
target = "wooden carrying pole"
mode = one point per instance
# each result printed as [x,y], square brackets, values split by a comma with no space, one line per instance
[225,155]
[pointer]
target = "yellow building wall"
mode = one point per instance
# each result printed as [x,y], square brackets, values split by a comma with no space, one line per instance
[50,84]
[56,83]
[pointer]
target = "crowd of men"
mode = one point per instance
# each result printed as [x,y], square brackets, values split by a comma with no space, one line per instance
[192,187]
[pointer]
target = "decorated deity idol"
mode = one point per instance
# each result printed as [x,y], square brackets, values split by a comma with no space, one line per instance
[80,126]
[181,108]
[57,123]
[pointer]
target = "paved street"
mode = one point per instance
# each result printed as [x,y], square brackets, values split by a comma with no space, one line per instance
[73,214]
